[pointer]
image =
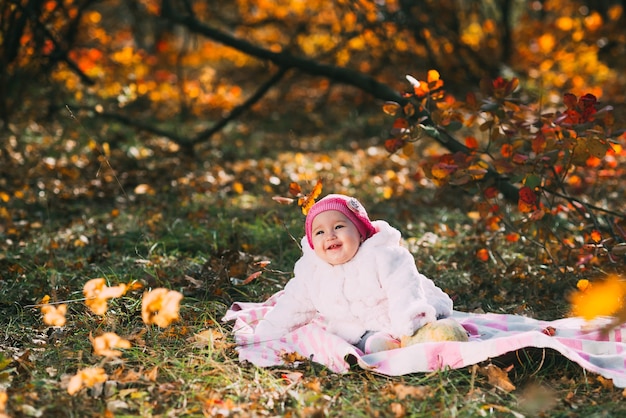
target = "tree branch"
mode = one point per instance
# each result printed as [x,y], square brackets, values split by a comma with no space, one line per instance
[185,142]
[239,110]
[342,75]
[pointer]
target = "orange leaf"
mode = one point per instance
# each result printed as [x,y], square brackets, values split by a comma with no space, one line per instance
[105,344]
[498,377]
[295,189]
[512,237]
[394,144]
[391,108]
[86,378]
[434,82]
[54,315]
[596,236]
[471,142]
[308,201]
[482,254]
[251,277]
[506,150]
[160,307]
[400,123]
[602,299]
[583,285]
[97,293]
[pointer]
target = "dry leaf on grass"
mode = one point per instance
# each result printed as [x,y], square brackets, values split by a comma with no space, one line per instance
[160,307]
[498,377]
[105,344]
[402,391]
[86,378]
[53,315]
[3,401]
[209,338]
[97,293]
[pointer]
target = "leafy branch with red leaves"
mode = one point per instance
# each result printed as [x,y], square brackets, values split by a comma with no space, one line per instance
[560,164]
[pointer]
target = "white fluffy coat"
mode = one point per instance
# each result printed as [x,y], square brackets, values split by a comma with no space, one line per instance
[379,289]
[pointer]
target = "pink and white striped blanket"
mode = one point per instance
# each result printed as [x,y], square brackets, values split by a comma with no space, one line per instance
[491,336]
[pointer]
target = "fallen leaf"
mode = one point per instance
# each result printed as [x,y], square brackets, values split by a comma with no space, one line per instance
[54,315]
[106,344]
[397,409]
[160,307]
[152,374]
[498,377]
[607,384]
[210,338]
[86,378]
[97,293]
[3,400]
[402,391]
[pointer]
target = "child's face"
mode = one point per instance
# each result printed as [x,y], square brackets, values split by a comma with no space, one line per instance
[335,238]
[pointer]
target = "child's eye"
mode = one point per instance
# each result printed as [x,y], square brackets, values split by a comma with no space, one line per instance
[339,226]
[320,232]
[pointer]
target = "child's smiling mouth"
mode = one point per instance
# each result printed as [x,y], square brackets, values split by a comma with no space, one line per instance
[333,246]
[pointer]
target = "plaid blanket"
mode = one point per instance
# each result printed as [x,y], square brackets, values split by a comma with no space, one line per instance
[491,336]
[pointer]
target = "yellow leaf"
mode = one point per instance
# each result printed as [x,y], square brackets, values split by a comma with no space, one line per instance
[210,338]
[238,187]
[54,315]
[498,377]
[308,201]
[602,299]
[86,378]
[97,293]
[583,285]
[105,344]
[160,307]
[3,400]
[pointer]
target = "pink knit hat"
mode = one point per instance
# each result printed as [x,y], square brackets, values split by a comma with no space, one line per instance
[347,205]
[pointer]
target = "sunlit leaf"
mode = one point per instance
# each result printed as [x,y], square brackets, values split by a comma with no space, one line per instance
[482,254]
[391,108]
[471,142]
[87,377]
[306,202]
[53,315]
[498,377]
[394,144]
[596,236]
[583,285]
[160,307]
[603,298]
[107,343]
[3,401]
[295,189]
[97,293]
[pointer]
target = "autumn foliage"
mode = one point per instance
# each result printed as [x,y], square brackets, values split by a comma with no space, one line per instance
[159,307]
[548,157]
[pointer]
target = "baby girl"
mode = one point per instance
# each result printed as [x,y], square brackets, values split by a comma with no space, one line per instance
[356,280]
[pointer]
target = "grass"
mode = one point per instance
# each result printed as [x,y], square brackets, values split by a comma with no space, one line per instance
[202,238]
